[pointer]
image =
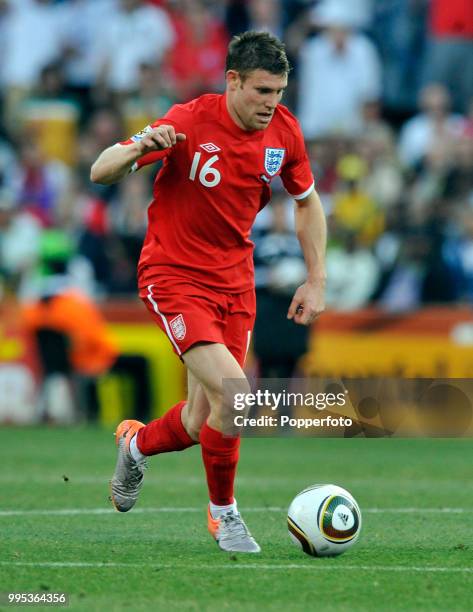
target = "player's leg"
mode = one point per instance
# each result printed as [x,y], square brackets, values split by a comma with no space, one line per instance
[169,433]
[180,317]
[197,409]
[212,364]
[178,428]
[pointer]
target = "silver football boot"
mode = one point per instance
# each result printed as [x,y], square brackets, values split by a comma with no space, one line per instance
[231,533]
[127,479]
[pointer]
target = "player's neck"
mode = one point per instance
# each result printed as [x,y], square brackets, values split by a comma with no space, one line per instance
[234,115]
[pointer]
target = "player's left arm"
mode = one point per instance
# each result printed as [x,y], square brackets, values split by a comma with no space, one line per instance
[311,230]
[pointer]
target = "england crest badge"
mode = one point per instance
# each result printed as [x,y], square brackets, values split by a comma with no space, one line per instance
[273,160]
[178,327]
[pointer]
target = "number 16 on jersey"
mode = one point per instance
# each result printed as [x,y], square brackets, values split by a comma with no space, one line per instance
[206,171]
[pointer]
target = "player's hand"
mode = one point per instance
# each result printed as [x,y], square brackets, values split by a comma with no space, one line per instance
[307,303]
[160,138]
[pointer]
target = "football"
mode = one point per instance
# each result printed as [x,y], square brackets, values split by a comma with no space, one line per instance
[324,520]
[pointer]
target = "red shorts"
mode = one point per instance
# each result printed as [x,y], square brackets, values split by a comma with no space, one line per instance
[189,313]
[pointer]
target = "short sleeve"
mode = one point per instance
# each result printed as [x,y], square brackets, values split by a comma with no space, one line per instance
[297,174]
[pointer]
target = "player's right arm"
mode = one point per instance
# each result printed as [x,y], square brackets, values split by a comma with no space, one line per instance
[117,161]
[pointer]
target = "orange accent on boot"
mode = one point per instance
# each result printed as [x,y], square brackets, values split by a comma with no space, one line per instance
[111,497]
[127,428]
[212,524]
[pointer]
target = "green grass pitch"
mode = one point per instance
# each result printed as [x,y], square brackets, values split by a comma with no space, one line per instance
[58,532]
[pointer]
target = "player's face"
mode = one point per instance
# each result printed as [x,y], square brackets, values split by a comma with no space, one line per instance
[252,100]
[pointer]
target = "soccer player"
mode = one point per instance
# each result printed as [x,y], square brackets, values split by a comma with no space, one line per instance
[195,274]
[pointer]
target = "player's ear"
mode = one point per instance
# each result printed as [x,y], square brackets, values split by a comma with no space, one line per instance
[233,79]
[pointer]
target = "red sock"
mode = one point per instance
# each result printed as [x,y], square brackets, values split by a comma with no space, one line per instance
[220,454]
[165,434]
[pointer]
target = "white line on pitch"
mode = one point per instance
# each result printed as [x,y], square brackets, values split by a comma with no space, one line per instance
[81,511]
[84,511]
[329,566]
[247,481]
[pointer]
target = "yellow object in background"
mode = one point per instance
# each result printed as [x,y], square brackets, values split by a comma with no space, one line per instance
[355,211]
[168,377]
[55,125]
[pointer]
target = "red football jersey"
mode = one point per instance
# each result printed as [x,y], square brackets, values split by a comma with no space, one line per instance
[209,190]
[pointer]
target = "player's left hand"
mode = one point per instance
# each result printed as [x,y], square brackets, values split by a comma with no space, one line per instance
[307,303]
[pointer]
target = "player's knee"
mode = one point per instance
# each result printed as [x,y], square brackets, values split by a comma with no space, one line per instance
[223,401]
[222,396]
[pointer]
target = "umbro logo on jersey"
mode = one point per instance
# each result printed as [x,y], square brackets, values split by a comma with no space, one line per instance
[210,147]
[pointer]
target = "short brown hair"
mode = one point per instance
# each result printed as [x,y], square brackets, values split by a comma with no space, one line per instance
[257,51]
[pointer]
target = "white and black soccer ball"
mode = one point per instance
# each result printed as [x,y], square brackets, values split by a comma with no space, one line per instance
[324,520]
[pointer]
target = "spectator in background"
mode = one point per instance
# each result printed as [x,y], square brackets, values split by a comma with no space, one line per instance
[383,181]
[4,14]
[353,209]
[8,171]
[428,186]
[197,61]
[130,218]
[82,28]
[135,33]
[90,217]
[94,238]
[265,16]
[104,126]
[324,154]
[433,126]
[52,116]
[262,15]
[377,146]
[70,331]
[439,286]
[236,16]
[279,270]
[403,285]
[339,71]
[462,251]
[128,222]
[467,129]
[152,99]
[399,32]
[450,52]
[423,271]
[458,185]
[32,40]
[353,272]
[373,124]
[42,186]
[20,234]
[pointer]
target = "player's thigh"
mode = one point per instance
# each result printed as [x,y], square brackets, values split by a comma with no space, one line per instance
[219,373]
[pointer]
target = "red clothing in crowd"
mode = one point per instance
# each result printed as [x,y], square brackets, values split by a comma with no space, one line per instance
[452,18]
[197,62]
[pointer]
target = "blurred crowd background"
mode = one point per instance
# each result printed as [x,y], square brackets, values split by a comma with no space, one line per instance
[384,93]
[383,90]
